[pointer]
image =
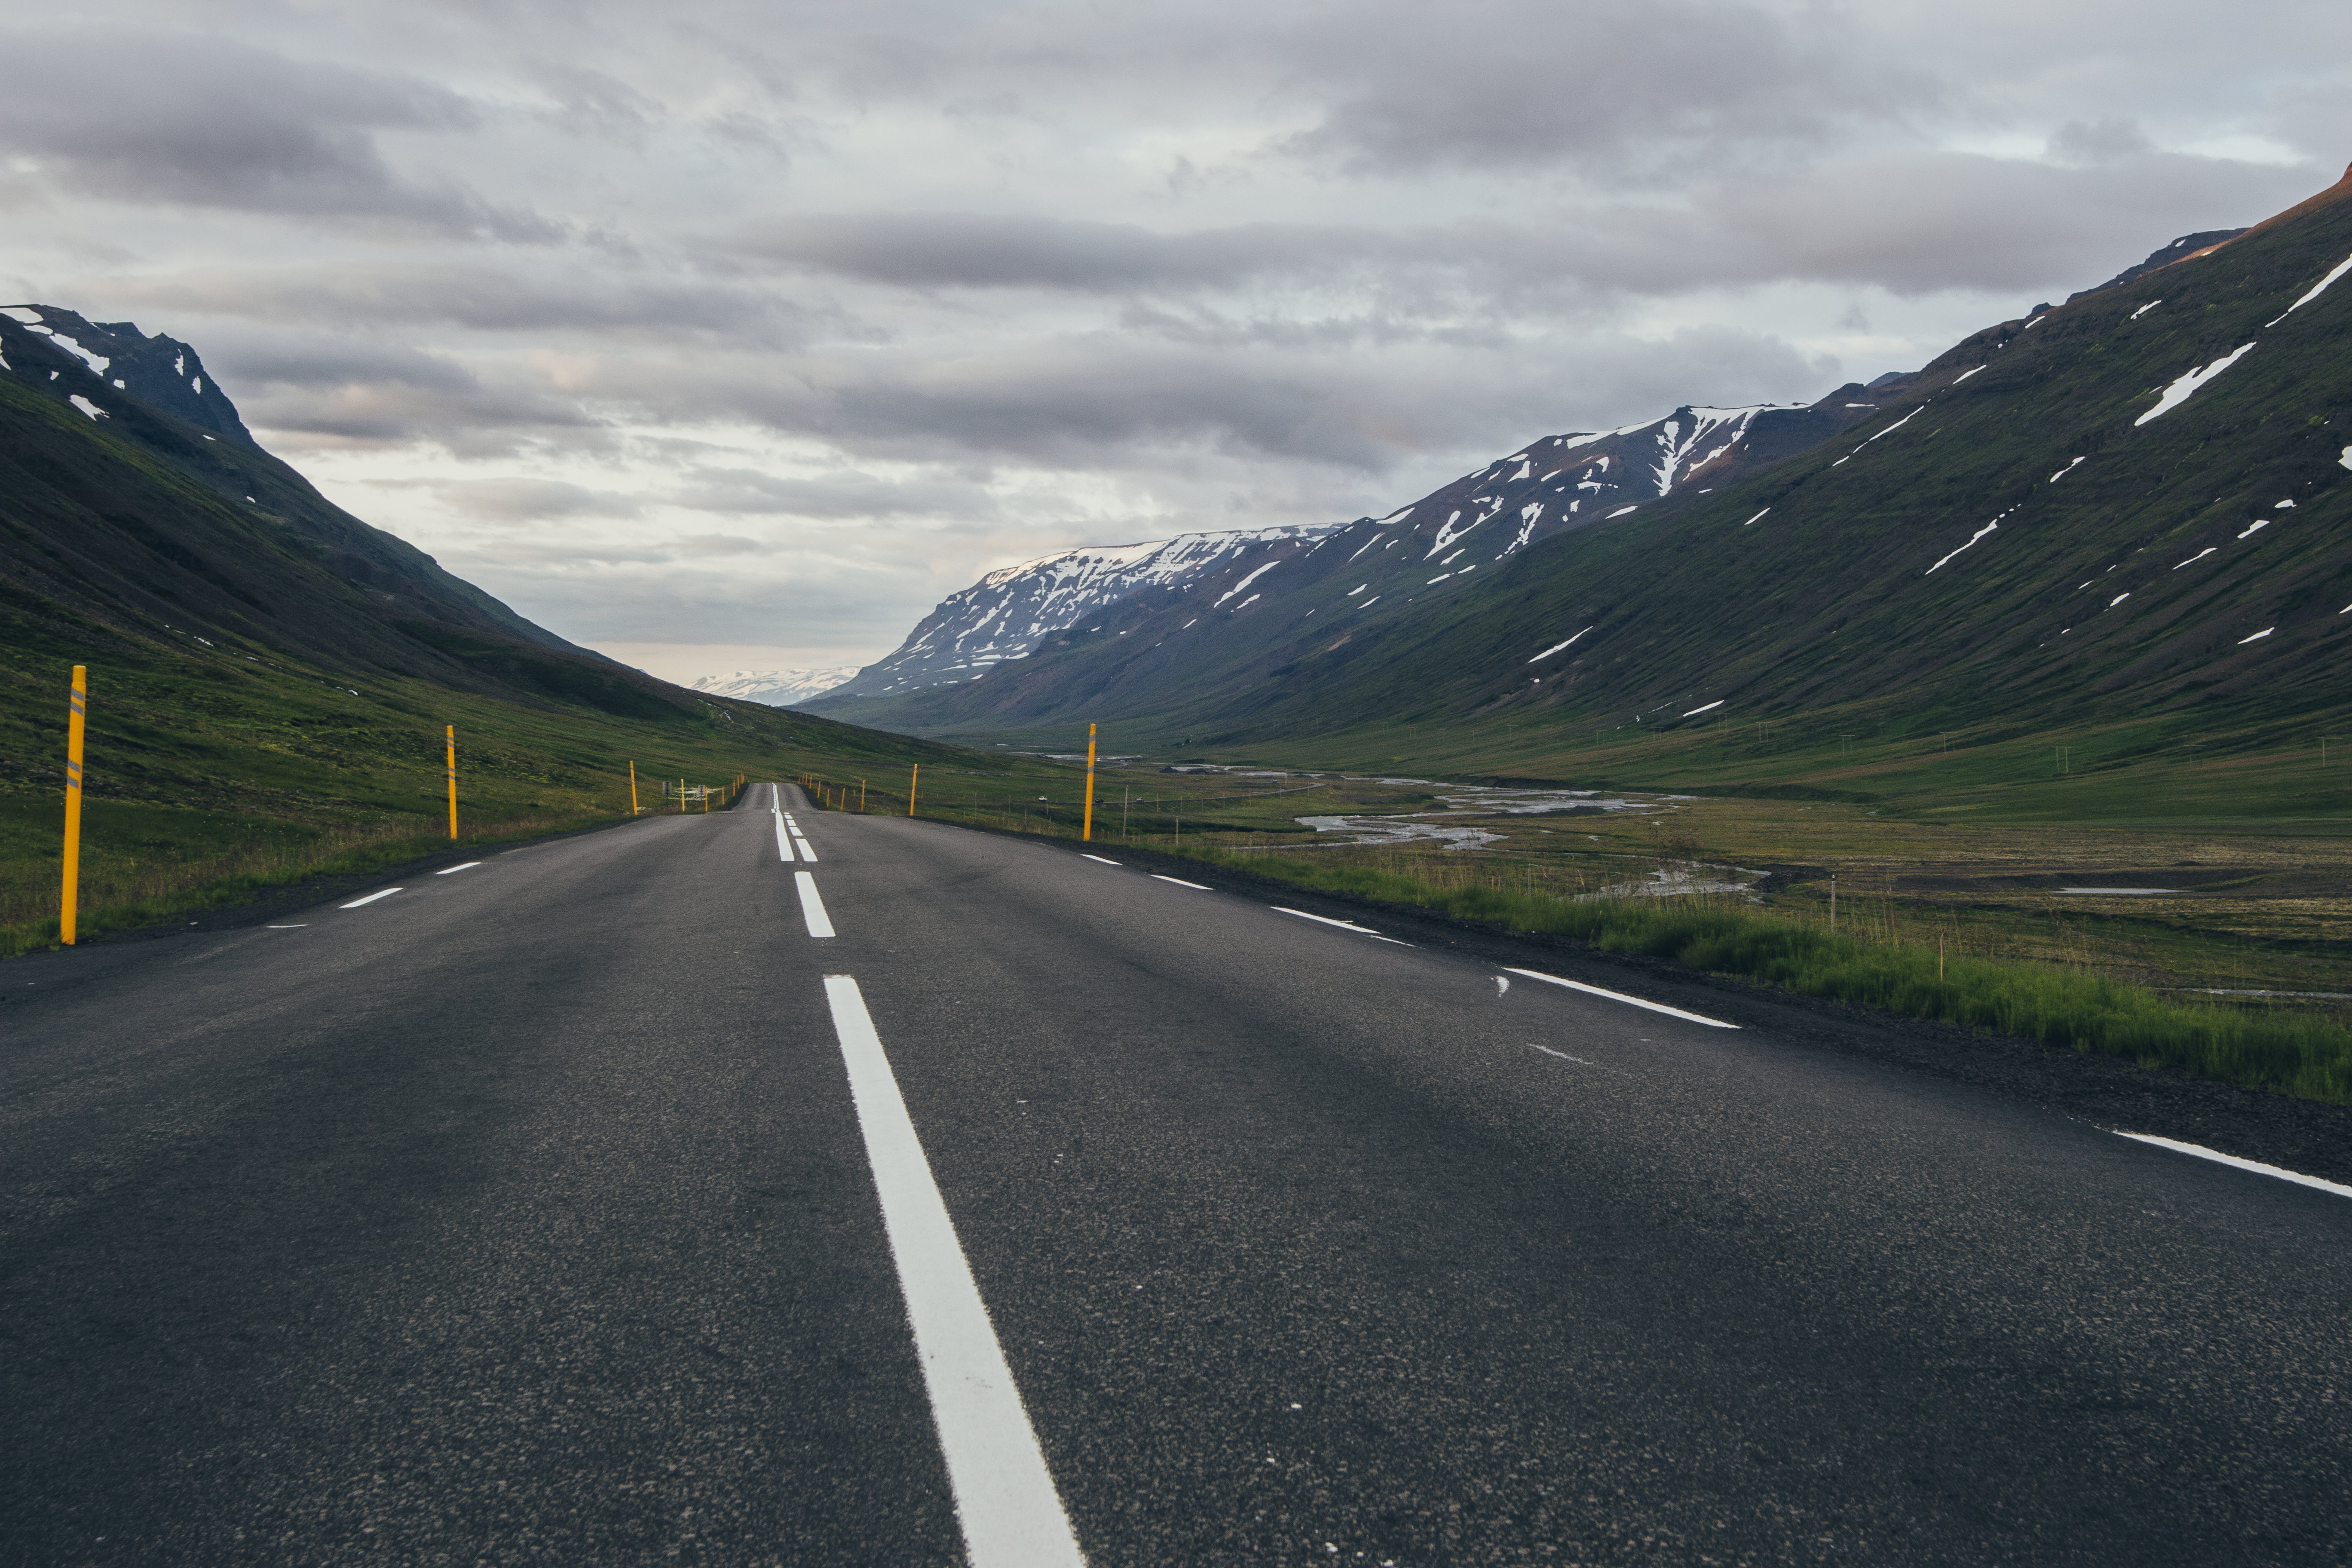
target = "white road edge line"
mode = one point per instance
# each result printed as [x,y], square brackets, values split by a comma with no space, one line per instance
[783,844]
[1343,925]
[466,866]
[1005,1501]
[371,897]
[1181,882]
[1620,997]
[1097,859]
[811,907]
[2258,1169]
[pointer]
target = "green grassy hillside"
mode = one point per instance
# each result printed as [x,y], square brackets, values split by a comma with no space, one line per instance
[2011,590]
[271,681]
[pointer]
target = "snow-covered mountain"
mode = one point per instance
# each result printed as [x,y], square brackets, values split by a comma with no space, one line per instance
[775,687]
[161,372]
[1548,486]
[1009,612]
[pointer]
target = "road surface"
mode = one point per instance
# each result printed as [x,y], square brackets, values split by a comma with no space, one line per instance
[644,1196]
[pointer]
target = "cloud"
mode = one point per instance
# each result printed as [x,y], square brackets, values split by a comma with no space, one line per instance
[829,496]
[1500,85]
[534,500]
[207,121]
[490,297]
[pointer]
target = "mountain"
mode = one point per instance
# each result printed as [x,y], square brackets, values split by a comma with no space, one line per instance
[774,688]
[152,400]
[271,680]
[1228,583]
[2132,504]
[2180,250]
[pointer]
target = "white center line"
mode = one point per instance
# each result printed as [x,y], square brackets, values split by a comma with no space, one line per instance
[1563,1055]
[291,927]
[1620,997]
[1005,1501]
[1097,859]
[1343,925]
[811,907]
[371,897]
[1179,882]
[807,853]
[466,866]
[2261,1170]
[783,844]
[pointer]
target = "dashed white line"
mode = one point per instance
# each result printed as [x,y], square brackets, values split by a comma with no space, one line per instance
[807,853]
[1620,997]
[2258,1169]
[371,897]
[1343,925]
[812,906]
[1095,858]
[783,843]
[1005,1501]
[291,927]
[1180,882]
[466,866]
[1563,1055]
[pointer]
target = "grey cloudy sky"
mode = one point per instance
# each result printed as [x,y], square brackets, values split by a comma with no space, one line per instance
[738,334]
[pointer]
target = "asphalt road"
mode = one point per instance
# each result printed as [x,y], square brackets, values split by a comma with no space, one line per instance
[556,1209]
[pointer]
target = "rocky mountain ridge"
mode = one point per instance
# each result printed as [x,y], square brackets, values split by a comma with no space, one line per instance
[2127,505]
[1560,482]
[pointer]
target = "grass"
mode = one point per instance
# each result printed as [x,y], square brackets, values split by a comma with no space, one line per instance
[2030,965]
[2303,1056]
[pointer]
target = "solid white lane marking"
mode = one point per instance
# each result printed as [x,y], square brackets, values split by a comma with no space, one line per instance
[371,897]
[783,844]
[1343,925]
[1620,997]
[811,907]
[2258,1169]
[1004,1495]
[1180,882]
[466,866]
[1321,921]
[1099,860]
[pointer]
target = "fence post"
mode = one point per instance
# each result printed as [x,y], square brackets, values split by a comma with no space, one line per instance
[74,725]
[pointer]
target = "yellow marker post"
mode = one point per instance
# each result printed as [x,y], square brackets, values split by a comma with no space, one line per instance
[79,701]
[915,771]
[1086,832]
[861,798]
[633,789]
[453,781]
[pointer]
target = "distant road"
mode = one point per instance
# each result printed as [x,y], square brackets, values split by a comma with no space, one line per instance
[536,1212]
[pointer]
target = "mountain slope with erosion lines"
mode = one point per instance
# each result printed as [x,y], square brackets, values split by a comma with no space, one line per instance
[2027,531]
[1159,622]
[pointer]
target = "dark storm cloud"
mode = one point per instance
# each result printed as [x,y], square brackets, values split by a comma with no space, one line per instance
[207,122]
